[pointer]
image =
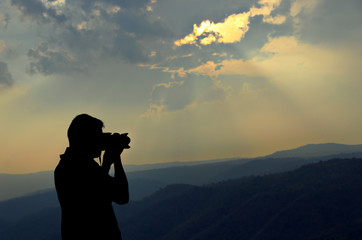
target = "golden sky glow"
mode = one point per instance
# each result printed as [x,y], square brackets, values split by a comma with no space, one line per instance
[188,80]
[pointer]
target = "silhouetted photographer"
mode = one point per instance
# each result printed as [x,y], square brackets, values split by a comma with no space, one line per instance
[85,188]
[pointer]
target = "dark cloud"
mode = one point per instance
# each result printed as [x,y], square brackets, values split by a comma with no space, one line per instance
[47,61]
[125,4]
[93,31]
[5,76]
[128,47]
[332,22]
[36,10]
[131,31]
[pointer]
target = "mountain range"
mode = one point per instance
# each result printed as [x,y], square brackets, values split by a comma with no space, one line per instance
[317,201]
[152,184]
[145,179]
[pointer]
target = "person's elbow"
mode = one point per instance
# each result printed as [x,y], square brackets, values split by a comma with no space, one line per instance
[121,200]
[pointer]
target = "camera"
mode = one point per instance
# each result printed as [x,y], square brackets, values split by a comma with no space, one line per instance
[115,141]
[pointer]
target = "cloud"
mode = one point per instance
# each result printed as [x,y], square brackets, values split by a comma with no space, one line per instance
[299,6]
[278,19]
[47,61]
[328,22]
[6,78]
[153,109]
[227,67]
[2,45]
[41,11]
[4,19]
[169,96]
[92,31]
[168,85]
[291,64]
[180,95]
[233,28]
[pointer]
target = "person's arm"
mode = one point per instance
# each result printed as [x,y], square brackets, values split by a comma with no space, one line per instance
[118,185]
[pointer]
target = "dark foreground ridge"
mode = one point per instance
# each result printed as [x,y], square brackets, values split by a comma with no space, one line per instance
[317,201]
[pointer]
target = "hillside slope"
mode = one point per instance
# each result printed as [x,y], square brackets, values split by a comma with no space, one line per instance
[145,179]
[317,202]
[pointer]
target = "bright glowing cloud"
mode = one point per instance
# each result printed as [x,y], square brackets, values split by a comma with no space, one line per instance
[54,3]
[149,8]
[234,27]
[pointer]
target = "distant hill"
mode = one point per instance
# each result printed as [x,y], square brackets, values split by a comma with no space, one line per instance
[145,179]
[143,167]
[318,201]
[318,150]
[144,183]
[15,185]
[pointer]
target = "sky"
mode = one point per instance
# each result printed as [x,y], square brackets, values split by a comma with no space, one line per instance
[187,79]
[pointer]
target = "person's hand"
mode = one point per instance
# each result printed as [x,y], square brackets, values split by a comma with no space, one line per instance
[111,155]
[115,148]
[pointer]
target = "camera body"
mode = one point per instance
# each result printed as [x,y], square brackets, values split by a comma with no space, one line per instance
[115,141]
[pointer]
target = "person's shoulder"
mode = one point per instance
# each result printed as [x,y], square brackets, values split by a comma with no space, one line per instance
[60,167]
[64,166]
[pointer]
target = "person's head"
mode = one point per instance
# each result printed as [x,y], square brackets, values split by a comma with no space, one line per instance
[84,134]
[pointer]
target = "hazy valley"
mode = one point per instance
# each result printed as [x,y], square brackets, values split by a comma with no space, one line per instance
[264,198]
